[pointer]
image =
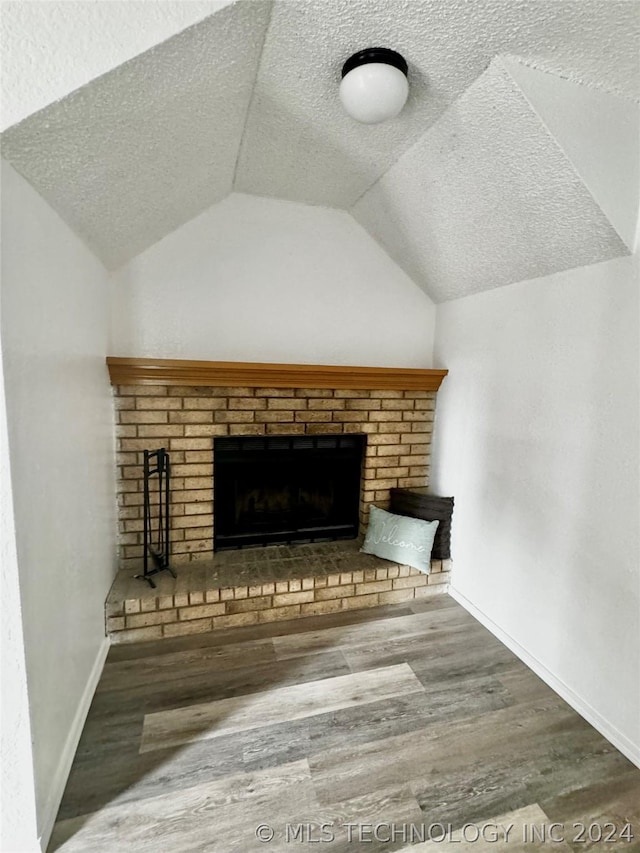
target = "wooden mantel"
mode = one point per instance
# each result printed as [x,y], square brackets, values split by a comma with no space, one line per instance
[162,371]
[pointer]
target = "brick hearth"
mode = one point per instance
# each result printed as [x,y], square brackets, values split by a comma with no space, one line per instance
[257,585]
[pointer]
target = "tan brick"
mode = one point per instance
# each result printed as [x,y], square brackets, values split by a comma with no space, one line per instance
[247,429]
[193,626]
[205,403]
[158,403]
[319,582]
[235,417]
[235,619]
[360,601]
[148,605]
[198,456]
[247,403]
[387,394]
[410,482]
[268,588]
[288,404]
[137,635]
[274,417]
[397,595]
[274,392]
[181,417]
[440,577]
[391,472]
[412,581]
[317,608]
[203,508]
[382,438]
[293,598]
[347,417]
[295,585]
[143,390]
[324,429]
[190,522]
[424,405]
[351,392]
[326,404]
[282,586]
[398,405]
[373,485]
[430,591]
[128,431]
[333,592]
[256,603]
[191,470]
[196,598]
[115,623]
[201,611]
[189,444]
[286,429]
[391,427]
[144,620]
[132,605]
[124,403]
[313,417]
[373,586]
[392,572]
[392,449]
[192,495]
[363,405]
[165,602]
[307,583]
[205,429]
[446,565]
[279,613]
[387,417]
[226,594]
[144,417]
[314,392]
[415,437]
[212,595]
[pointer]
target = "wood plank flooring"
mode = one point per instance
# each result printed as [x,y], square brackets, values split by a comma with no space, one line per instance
[363,730]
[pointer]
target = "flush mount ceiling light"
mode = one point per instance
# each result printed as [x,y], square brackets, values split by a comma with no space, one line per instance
[374,85]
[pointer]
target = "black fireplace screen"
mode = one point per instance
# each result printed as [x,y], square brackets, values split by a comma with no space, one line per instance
[286,489]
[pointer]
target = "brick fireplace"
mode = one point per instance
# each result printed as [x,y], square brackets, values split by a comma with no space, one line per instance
[186,406]
[187,419]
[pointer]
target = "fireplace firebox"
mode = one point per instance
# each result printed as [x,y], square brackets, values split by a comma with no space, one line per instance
[286,489]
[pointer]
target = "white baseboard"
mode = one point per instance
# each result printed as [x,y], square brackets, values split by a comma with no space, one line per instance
[606,729]
[71,745]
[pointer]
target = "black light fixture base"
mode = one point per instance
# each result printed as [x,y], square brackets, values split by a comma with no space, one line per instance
[375,54]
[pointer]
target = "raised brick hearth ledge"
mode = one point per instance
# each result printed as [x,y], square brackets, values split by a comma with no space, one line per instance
[259,585]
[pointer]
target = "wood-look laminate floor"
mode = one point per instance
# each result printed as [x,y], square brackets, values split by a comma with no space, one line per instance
[373,730]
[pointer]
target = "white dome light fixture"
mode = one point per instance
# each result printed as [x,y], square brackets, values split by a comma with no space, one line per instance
[374,85]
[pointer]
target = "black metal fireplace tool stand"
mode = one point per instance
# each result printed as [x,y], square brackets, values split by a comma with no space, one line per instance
[156,542]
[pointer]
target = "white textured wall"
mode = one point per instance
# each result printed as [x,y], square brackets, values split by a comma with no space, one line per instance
[536,435]
[18,829]
[51,48]
[59,415]
[254,279]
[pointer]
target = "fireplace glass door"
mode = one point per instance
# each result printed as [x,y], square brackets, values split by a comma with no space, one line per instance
[286,489]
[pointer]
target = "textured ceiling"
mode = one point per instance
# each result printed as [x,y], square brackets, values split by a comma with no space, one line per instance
[485,198]
[299,142]
[247,99]
[67,43]
[141,150]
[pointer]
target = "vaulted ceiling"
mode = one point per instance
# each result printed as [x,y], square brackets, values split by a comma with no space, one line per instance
[467,189]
